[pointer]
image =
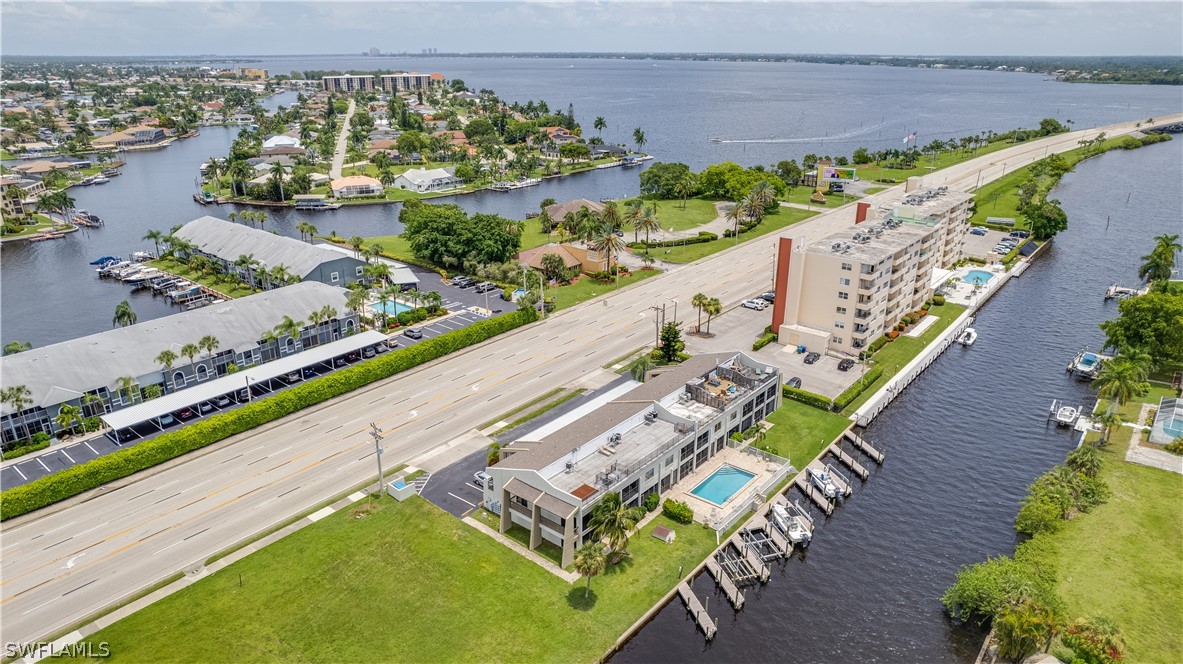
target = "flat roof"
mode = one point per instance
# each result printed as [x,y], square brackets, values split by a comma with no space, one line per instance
[140,413]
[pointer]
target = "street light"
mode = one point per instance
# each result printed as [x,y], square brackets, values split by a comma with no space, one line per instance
[675,301]
[376,434]
[656,325]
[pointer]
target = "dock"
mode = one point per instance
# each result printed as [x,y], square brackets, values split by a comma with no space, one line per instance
[735,563]
[775,537]
[865,447]
[759,567]
[849,461]
[732,591]
[816,496]
[697,610]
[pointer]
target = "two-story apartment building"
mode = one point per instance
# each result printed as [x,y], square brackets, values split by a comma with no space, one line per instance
[839,294]
[642,442]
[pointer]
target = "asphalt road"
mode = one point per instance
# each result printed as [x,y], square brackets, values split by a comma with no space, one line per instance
[63,566]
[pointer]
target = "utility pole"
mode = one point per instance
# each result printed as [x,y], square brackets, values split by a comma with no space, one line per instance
[376,434]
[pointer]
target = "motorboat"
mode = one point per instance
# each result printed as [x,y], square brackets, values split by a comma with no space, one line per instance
[967,337]
[101,180]
[1066,415]
[1086,364]
[822,479]
[794,526]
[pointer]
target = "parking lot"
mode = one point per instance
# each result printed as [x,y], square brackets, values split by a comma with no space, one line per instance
[739,328]
[455,299]
[452,488]
[981,246]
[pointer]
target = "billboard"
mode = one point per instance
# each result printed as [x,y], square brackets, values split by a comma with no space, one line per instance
[832,173]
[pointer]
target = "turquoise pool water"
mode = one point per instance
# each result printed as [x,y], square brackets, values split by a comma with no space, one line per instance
[722,484]
[392,308]
[978,277]
[1173,427]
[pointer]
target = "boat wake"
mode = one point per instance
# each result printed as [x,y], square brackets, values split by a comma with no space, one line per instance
[862,131]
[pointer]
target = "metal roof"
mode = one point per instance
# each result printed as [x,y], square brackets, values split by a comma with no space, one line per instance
[228,241]
[95,361]
[191,396]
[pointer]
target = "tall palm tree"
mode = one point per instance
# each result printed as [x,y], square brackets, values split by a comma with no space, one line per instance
[156,236]
[1119,381]
[68,417]
[247,264]
[611,214]
[611,520]
[733,212]
[639,138]
[209,343]
[699,301]
[124,316]
[356,301]
[1159,263]
[432,300]
[607,242]
[648,222]
[356,242]
[635,210]
[589,558]
[713,308]
[166,359]
[126,385]
[599,124]
[19,397]
[288,327]
[684,188]
[277,175]
[191,351]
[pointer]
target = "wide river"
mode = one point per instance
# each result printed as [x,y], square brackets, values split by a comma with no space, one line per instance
[962,442]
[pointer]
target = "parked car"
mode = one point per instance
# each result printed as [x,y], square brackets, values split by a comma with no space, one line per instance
[166,420]
[794,382]
[126,435]
[244,395]
[391,343]
[758,305]
[769,297]
[413,333]
[222,401]
[367,352]
[462,281]
[810,358]
[352,357]
[184,414]
[978,231]
[383,347]
[845,365]
[1020,234]
[205,407]
[481,478]
[292,377]
[309,372]
[485,286]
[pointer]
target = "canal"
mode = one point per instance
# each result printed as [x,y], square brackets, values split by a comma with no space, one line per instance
[963,442]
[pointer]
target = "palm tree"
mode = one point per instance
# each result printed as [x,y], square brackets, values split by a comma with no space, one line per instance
[432,300]
[494,454]
[356,242]
[239,172]
[277,173]
[648,223]
[611,520]
[639,138]
[713,308]
[356,301]
[208,343]
[699,302]
[68,417]
[311,230]
[640,367]
[1119,381]
[126,385]
[14,347]
[684,188]
[633,214]
[247,264]
[1085,460]
[289,328]
[589,558]
[611,215]
[733,212]
[599,124]
[609,243]
[124,316]
[156,236]
[166,359]
[376,272]
[191,351]
[17,396]
[233,217]
[1159,263]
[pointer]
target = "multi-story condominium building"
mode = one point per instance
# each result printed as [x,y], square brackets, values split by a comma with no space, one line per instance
[395,83]
[642,442]
[347,83]
[841,293]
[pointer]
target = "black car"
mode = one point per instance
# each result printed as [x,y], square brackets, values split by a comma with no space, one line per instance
[463,281]
[770,296]
[810,358]
[845,365]
[413,333]
[794,382]
[309,372]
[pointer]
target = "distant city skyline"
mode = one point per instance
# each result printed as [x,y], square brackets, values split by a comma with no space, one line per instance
[990,28]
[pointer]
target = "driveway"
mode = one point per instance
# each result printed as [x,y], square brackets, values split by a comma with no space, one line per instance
[452,488]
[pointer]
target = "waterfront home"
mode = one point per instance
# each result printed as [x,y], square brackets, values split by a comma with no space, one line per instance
[574,257]
[224,242]
[843,292]
[142,134]
[282,151]
[423,180]
[640,442]
[353,186]
[41,167]
[64,373]
[557,211]
[281,140]
[601,151]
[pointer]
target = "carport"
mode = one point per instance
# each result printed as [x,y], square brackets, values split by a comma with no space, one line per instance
[262,376]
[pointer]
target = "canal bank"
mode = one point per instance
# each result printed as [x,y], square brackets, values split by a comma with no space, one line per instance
[963,445]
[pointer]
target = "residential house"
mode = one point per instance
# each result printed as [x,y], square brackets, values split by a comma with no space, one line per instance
[558,211]
[424,180]
[353,186]
[587,260]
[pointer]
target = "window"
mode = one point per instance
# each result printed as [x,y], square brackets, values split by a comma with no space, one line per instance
[202,372]
[839,325]
[844,281]
[359,270]
[747,410]
[841,310]
[718,425]
[178,379]
[843,295]
[837,340]
[847,266]
[688,450]
[649,473]
[335,277]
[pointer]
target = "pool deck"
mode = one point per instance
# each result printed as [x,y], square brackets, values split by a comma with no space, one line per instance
[738,472]
[706,511]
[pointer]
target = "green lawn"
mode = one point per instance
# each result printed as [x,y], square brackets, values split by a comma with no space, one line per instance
[873,190]
[1123,560]
[409,583]
[671,214]
[894,355]
[926,164]
[801,196]
[585,289]
[39,223]
[775,221]
[5,154]
[182,270]
[801,432]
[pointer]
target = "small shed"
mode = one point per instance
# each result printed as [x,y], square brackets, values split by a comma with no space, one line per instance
[664,534]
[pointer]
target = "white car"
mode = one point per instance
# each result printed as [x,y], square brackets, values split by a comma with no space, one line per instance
[758,305]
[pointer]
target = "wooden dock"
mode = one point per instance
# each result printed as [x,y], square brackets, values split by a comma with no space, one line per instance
[849,461]
[816,496]
[753,559]
[839,479]
[778,538]
[865,447]
[732,591]
[697,610]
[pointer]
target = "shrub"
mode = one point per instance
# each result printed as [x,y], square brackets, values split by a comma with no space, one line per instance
[807,398]
[651,502]
[1038,514]
[938,300]
[983,590]
[703,236]
[1175,446]
[1095,642]
[923,312]
[879,343]
[404,318]
[891,336]
[764,340]
[736,437]
[858,388]
[677,511]
[39,441]
[907,320]
[77,479]
[90,424]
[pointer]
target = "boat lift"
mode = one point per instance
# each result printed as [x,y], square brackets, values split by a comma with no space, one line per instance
[1063,414]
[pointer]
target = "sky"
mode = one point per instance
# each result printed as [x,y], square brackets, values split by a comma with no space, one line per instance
[1079,27]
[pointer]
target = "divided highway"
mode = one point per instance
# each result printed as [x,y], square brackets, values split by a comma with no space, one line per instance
[64,566]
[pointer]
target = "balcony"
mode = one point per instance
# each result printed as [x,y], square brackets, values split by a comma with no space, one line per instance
[863,284]
[862,314]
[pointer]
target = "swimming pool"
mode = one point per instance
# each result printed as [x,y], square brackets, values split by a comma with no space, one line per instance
[392,308]
[978,277]
[722,484]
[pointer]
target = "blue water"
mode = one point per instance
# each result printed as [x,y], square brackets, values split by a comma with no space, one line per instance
[978,277]
[722,484]
[390,308]
[1173,428]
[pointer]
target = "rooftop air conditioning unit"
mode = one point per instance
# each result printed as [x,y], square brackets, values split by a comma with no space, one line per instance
[651,416]
[570,466]
[614,438]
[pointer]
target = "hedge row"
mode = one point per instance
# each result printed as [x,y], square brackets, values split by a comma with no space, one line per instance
[807,398]
[858,388]
[677,511]
[764,340]
[703,236]
[97,472]
[26,449]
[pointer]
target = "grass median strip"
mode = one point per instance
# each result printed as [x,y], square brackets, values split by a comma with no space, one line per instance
[542,409]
